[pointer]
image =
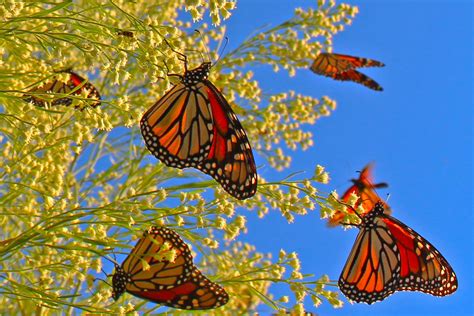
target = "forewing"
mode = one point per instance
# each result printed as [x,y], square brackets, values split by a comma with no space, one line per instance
[47,93]
[329,65]
[370,273]
[149,272]
[178,129]
[78,84]
[356,62]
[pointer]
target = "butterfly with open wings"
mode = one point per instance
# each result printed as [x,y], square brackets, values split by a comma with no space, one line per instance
[389,256]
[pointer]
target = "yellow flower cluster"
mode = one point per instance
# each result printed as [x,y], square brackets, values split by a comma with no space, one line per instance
[77,184]
[216,9]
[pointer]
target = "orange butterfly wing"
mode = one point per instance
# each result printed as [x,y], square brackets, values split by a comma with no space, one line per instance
[42,95]
[192,125]
[178,128]
[230,160]
[177,284]
[197,293]
[388,256]
[347,62]
[343,67]
[356,76]
[422,267]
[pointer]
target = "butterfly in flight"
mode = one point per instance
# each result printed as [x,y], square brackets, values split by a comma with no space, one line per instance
[343,67]
[364,188]
[193,125]
[45,94]
[389,256]
[179,284]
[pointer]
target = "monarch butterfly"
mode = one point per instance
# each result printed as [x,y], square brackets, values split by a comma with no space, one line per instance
[342,67]
[192,125]
[179,284]
[74,86]
[389,256]
[364,188]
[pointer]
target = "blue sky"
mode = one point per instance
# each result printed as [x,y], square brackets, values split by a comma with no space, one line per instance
[418,131]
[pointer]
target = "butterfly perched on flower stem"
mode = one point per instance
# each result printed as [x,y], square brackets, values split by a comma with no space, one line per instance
[364,188]
[47,93]
[146,273]
[343,67]
[389,256]
[193,125]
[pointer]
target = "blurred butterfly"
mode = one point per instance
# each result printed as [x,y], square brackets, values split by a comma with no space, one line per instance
[364,188]
[389,256]
[178,283]
[126,33]
[192,125]
[343,67]
[75,85]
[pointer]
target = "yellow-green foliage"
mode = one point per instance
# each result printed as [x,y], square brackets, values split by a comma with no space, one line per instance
[77,185]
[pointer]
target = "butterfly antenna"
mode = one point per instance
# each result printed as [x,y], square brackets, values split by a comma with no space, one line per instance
[202,56]
[205,46]
[388,197]
[99,279]
[222,50]
[113,261]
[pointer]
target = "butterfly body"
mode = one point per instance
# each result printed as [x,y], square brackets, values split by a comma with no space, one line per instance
[192,125]
[74,86]
[119,281]
[343,67]
[192,77]
[389,256]
[177,283]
